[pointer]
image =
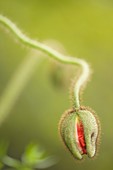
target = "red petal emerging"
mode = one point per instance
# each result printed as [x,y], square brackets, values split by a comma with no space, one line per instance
[81,138]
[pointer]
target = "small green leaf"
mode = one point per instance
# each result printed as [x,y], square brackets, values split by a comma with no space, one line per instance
[32,155]
[11,162]
[47,162]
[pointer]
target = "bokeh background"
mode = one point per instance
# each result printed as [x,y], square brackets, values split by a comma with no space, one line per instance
[85,28]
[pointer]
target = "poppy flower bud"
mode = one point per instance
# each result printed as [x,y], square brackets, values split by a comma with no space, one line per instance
[79,130]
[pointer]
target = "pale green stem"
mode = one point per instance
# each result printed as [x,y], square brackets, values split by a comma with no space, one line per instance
[54,54]
[17,83]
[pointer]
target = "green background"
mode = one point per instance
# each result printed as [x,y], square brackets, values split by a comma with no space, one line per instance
[85,28]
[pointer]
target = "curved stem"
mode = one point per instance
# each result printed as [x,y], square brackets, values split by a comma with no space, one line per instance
[54,54]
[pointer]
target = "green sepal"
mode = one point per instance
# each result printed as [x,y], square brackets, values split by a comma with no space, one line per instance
[68,131]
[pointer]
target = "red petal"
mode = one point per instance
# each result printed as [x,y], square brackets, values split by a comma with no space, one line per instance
[81,138]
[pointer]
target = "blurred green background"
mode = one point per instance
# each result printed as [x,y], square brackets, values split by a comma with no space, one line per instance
[85,28]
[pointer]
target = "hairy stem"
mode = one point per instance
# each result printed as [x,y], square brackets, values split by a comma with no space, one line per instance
[17,83]
[54,54]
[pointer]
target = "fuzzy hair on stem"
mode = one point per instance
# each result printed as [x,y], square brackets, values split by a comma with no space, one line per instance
[79,129]
[53,54]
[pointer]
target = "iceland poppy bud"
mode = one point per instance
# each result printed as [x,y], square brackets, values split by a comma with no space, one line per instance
[79,130]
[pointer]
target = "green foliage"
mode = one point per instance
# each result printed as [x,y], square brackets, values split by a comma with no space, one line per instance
[32,158]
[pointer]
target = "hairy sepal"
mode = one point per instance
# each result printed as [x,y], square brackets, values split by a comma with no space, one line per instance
[67,128]
[68,131]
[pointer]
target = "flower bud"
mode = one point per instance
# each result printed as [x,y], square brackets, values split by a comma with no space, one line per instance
[79,130]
